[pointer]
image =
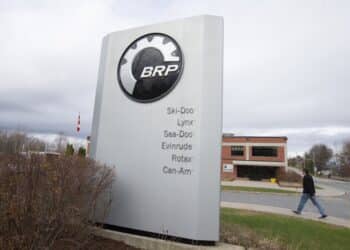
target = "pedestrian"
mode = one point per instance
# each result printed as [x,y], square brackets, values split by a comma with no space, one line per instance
[309,193]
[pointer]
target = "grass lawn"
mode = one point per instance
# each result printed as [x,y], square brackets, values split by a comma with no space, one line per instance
[270,231]
[257,189]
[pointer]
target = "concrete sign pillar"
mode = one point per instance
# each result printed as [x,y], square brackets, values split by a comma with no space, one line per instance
[158,120]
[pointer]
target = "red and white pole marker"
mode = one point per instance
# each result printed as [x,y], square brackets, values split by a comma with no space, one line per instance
[78,123]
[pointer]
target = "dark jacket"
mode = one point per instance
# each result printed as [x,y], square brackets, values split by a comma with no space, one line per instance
[308,185]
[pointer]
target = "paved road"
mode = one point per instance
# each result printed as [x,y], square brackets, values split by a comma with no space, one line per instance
[341,185]
[334,206]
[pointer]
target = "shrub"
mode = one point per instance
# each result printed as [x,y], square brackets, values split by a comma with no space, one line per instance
[82,151]
[288,176]
[51,203]
[69,150]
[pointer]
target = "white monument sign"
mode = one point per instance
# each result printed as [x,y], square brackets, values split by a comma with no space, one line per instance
[158,120]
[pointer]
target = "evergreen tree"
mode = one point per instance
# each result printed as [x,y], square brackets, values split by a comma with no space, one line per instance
[69,149]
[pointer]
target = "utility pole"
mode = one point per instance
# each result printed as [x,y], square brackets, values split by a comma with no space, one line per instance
[313,162]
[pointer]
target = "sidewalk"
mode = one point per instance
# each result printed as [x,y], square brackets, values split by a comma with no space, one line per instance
[288,212]
[326,191]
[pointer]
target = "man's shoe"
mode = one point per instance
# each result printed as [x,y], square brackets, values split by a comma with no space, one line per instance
[323,216]
[296,212]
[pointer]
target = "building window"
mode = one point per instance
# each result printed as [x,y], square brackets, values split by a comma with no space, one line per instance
[265,151]
[237,150]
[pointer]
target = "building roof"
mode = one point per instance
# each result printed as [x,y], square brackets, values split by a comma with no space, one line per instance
[254,138]
[235,136]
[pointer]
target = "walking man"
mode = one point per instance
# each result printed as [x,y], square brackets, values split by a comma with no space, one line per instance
[309,193]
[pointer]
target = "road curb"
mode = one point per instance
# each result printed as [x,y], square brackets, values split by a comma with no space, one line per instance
[286,194]
[255,192]
[326,190]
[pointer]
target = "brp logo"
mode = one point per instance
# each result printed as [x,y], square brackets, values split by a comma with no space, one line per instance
[150,67]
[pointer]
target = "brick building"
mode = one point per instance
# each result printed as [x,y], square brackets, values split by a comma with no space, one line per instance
[253,157]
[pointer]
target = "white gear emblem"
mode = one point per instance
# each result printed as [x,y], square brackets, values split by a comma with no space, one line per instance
[167,47]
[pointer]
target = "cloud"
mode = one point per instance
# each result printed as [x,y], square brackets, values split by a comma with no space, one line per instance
[285,62]
[301,139]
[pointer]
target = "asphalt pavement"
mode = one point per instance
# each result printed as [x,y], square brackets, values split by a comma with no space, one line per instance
[341,185]
[334,206]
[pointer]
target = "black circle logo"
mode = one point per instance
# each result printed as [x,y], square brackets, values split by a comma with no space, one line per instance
[150,67]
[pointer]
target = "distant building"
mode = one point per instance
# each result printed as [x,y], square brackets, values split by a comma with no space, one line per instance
[48,155]
[253,157]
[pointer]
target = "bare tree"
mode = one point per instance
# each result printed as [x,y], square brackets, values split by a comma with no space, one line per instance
[320,155]
[19,142]
[61,142]
[344,158]
[297,161]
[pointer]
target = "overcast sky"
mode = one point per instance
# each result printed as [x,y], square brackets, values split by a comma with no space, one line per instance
[287,63]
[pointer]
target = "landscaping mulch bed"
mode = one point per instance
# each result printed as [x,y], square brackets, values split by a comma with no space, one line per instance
[97,243]
[107,244]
